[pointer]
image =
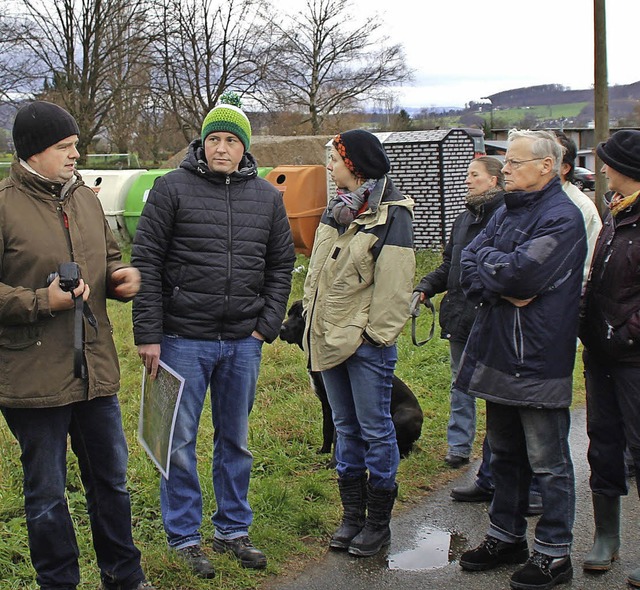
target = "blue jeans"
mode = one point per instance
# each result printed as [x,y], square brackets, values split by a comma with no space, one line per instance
[461,429]
[613,423]
[359,392]
[97,439]
[230,369]
[525,440]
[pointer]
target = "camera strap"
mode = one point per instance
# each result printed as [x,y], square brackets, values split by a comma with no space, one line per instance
[81,308]
[79,370]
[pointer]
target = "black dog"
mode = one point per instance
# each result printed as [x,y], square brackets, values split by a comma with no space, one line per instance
[405,409]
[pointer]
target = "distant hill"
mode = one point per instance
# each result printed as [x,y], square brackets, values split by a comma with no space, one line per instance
[558,94]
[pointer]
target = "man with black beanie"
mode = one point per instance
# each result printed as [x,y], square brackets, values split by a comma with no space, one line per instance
[56,386]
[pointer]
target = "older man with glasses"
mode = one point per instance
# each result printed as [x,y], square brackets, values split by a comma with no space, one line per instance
[525,272]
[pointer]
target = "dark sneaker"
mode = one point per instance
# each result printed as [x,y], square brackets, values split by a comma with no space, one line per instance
[197,561]
[542,572]
[492,553]
[248,555]
[471,493]
[455,461]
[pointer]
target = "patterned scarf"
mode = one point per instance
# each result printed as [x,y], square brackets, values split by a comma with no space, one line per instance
[346,206]
[476,200]
[620,203]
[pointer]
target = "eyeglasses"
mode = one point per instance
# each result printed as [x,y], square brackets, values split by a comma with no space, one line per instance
[515,164]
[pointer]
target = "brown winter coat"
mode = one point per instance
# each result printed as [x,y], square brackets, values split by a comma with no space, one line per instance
[36,347]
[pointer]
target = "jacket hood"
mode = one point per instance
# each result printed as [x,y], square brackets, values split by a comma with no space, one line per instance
[385,192]
[195,161]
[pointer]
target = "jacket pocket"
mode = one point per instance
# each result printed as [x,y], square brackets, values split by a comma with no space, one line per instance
[19,337]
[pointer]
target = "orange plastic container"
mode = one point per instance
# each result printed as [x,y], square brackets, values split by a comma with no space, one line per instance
[304,192]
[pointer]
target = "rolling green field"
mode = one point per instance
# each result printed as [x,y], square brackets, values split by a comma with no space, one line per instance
[293,494]
[507,118]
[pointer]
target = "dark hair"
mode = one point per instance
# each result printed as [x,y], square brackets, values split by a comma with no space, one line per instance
[494,168]
[569,153]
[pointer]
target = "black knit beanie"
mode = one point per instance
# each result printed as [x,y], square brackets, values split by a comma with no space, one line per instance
[39,125]
[362,153]
[622,152]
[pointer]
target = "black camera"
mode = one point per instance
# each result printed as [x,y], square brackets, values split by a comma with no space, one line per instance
[69,273]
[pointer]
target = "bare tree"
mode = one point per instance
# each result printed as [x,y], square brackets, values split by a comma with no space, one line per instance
[327,60]
[206,48]
[14,60]
[84,52]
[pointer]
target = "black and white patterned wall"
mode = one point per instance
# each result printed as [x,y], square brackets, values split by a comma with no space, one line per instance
[430,167]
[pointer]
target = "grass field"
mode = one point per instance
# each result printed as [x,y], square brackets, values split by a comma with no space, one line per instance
[293,494]
[515,117]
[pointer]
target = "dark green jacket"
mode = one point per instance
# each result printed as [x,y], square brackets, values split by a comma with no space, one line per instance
[36,347]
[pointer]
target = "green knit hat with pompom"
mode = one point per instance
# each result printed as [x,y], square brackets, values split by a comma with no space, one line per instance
[229,117]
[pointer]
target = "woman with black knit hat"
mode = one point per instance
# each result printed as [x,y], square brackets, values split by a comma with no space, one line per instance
[610,332]
[356,300]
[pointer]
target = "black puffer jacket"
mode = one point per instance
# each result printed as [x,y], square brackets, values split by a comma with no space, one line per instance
[610,313]
[457,313]
[215,253]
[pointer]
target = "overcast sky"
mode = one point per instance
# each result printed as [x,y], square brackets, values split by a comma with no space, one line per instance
[462,50]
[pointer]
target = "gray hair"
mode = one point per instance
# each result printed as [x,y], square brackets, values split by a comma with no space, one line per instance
[543,145]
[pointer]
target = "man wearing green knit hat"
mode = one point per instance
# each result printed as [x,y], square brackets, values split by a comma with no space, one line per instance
[215,252]
[230,118]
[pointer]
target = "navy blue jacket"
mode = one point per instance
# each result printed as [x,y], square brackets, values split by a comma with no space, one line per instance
[215,253]
[535,246]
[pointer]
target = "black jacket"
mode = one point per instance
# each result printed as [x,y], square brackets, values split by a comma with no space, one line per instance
[456,311]
[610,315]
[215,253]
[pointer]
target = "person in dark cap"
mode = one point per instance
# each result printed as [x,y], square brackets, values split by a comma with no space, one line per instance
[610,332]
[357,297]
[215,251]
[54,387]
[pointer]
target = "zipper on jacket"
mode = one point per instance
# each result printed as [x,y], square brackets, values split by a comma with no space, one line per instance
[229,242]
[64,219]
[518,338]
[609,330]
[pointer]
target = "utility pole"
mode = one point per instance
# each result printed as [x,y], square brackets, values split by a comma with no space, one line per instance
[601,93]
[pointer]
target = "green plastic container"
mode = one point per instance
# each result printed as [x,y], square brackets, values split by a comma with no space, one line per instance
[263,171]
[137,197]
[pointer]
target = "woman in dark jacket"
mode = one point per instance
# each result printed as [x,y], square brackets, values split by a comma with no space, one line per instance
[610,332]
[486,183]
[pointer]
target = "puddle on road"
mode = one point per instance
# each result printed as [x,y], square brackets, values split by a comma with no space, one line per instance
[435,548]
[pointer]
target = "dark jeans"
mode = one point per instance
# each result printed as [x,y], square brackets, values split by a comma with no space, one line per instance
[523,441]
[613,423]
[97,439]
[484,479]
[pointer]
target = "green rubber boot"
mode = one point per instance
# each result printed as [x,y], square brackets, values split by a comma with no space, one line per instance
[606,541]
[634,578]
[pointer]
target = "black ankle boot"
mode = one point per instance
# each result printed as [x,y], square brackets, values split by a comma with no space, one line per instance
[353,493]
[376,532]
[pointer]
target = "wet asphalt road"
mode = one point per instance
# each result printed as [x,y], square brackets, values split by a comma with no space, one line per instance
[427,541]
